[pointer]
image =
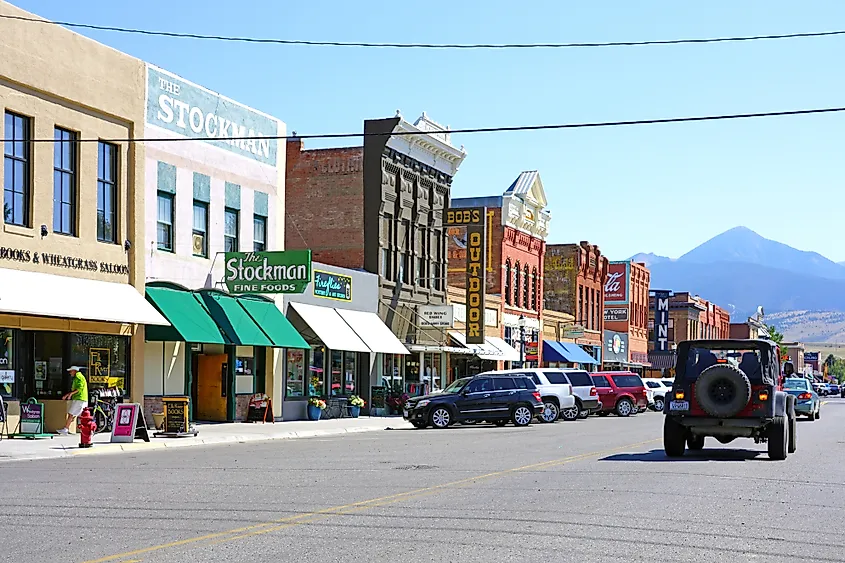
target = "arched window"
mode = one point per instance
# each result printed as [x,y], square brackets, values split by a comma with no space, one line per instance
[508,284]
[517,285]
[526,285]
[535,283]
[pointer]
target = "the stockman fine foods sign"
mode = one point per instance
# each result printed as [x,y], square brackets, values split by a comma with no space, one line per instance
[192,111]
[267,272]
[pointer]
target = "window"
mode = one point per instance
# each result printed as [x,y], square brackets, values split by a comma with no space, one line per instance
[600,381]
[164,222]
[16,172]
[106,192]
[517,283]
[64,182]
[503,384]
[579,314]
[230,230]
[295,360]
[316,382]
[385,263]
[524,383]
[337,372]
[535,280]
[407,267]
[508,288]
[200,238]
[556,378]
[7,360]
[479,386]
[259,233]
[245,370]
[580,378]
[526,285]
[420,277]
[627,381]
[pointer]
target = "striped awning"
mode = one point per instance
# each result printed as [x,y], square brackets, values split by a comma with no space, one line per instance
[662,360]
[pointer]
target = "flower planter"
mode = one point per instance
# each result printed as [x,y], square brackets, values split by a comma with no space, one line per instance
[355,411]
[314,413]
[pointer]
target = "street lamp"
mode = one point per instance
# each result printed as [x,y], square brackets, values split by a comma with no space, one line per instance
[521,324]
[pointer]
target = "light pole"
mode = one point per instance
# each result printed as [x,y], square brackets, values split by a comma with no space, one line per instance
[521,340]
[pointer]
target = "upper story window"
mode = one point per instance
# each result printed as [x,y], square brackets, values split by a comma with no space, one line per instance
[259,233]
[64,182]
[535,283]
[526,288]
[508,287]
[517,284]
[17,187]
[200,230]
[106,192]
[230,230]
[164,221]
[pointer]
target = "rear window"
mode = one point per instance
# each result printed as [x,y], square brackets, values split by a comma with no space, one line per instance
[556,377]
[600,381]
[580,378]
[747,360]
[503,384]
[627,380]
[801,384]
[534,378]
[653,384]
[524,383]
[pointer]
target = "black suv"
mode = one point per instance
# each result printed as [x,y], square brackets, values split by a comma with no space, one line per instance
[495,398]
[729,389]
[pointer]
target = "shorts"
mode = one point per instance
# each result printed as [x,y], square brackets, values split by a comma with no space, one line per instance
[74,408]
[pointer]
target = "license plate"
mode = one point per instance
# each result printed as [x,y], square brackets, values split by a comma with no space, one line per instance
[679,406]
[405,413]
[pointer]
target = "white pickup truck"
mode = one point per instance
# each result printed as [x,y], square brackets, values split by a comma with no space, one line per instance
[555,390]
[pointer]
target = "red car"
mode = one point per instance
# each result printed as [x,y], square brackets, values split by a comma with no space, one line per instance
[622,392]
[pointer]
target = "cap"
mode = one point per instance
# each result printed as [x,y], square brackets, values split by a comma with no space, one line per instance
[74,368]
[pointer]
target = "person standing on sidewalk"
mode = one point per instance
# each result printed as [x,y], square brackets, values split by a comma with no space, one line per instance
[77,398]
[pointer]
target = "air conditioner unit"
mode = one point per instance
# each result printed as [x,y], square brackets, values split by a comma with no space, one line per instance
[198,244]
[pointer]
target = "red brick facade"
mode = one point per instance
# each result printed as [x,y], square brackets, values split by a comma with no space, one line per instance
[638,280]
[574,277]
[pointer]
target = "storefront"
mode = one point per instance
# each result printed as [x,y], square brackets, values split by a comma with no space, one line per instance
[566,354]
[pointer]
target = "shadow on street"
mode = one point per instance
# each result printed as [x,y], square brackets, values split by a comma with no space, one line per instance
[703,455]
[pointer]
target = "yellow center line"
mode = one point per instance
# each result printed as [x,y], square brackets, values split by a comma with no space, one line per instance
[309,517]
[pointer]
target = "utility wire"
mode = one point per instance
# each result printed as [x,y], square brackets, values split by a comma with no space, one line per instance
[419,45]
[450,131]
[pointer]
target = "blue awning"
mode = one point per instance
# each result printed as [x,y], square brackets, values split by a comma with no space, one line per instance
[566,352]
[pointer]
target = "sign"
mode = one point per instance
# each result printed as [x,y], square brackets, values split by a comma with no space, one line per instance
[125,419]
[615,347]
[99,366]
[332,286]
[616,283]
[61,261]
[474,220]
[260,409]
[267,272]
[573,332]
[661,321]
[456,245]
[532,351]
[436,315]
[615,314]
[7,376]
[194,112]
[175,414]
[377,397]
[811,356]
[32,418]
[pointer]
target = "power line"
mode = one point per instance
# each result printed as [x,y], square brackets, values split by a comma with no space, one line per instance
[307,42]
[450,131]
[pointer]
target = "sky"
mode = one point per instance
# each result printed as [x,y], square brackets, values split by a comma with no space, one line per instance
[650,188]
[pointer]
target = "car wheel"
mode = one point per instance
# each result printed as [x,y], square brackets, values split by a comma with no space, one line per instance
[624,407]
[500,422]
[811,417]
[441,417]
[793,436]
[674,438]
[572,413]
[819,413]
[658,404]
[582,412]
[470,422]
[695,443]
[778,435]
[522,415]
[419,425]
[551,412]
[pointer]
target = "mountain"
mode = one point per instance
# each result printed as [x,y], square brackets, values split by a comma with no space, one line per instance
[649,258]
[741,244]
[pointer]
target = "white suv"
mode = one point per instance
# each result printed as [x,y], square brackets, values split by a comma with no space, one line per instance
[658,390]
[586,394]
[555,390]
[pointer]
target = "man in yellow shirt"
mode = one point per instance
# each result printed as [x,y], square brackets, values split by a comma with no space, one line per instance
[77,398]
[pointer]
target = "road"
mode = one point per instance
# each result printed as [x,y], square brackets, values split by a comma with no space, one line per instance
[593,490]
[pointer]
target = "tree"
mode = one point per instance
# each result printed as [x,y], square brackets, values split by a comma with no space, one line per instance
[777,338]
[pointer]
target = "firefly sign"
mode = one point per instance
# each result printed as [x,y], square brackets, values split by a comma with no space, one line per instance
[473,218]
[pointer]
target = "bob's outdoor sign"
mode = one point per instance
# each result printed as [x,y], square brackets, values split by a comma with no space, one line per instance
[473,219]
[267,272]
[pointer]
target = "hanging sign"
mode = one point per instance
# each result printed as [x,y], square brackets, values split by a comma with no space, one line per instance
[476,242]
[661,321]
[287,271]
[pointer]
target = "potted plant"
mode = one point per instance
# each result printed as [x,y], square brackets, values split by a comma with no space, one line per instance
[355,404]
[316,406]
[396,402]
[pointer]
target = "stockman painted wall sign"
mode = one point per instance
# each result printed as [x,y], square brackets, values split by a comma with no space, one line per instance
[473,218]
[267,272]
[192,111]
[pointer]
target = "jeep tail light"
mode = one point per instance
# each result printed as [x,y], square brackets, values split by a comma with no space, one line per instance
[537,397]
[805,396]
[763,395]
[593,392]
[679,395]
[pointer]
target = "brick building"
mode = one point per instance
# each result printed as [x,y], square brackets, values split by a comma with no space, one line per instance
[574,276]
[518,224]
[379,207]
[626,310]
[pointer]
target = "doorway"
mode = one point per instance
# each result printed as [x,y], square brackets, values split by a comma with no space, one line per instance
[211,387]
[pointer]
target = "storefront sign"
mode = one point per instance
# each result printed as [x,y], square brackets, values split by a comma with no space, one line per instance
[125,420]
[573,332]
[661,321]
[61,261]
[532,351]
[474,220]
[7,376]
[437,315]
[456,245]
[616,284]
[32,418]
[99,366]
[332,286]
[811,356]
[615,314]
[267,272]
[194,112]
[615,347]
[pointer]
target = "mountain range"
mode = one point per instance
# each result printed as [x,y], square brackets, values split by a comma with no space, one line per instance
[739,270]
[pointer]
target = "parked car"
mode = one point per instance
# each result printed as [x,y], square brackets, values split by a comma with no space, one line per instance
[622,392]
[807,401]
[555,392]
[668,382]
[659,391]
[586,395]
[822,389]
[494,398]
[834,389]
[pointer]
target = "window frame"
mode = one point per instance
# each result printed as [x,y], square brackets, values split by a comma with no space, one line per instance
[229,239]
[169,196]
[25,159]
[104,183]
[256,220]
[62,170]
[194,231]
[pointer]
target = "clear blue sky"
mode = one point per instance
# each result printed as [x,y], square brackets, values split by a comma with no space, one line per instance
[661,188]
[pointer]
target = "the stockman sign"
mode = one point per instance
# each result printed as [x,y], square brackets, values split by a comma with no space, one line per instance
[192,111]
[473,218]
[267,272]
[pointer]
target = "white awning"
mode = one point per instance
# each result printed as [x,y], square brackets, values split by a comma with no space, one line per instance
[511,354]
[375,334]
[329,327]
[484,351]
[65,297]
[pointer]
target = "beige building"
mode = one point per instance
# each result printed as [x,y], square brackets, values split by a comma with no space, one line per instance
[71,244]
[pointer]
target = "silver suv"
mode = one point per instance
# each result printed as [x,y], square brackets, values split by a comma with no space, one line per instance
[586,395]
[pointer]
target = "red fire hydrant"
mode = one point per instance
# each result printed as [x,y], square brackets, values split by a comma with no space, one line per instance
[86,425]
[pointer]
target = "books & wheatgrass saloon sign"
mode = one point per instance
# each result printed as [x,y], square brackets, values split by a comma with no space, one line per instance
[286,271]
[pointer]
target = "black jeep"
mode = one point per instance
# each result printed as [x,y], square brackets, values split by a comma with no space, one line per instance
[728,389]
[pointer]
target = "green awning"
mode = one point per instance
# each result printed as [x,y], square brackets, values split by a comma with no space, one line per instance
[274,324]
[191,322]
[233,319]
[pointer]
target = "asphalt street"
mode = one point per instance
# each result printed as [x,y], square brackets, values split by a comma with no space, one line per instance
[594,490]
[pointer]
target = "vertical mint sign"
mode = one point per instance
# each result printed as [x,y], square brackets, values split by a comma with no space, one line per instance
[286,271]
[194,112]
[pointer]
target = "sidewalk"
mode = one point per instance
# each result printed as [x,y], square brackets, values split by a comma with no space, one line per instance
[209,434]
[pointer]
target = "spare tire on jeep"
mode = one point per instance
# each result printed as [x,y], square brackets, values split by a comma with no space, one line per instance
[722,390]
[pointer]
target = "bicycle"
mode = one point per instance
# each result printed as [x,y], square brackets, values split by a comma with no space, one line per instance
[103,412]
